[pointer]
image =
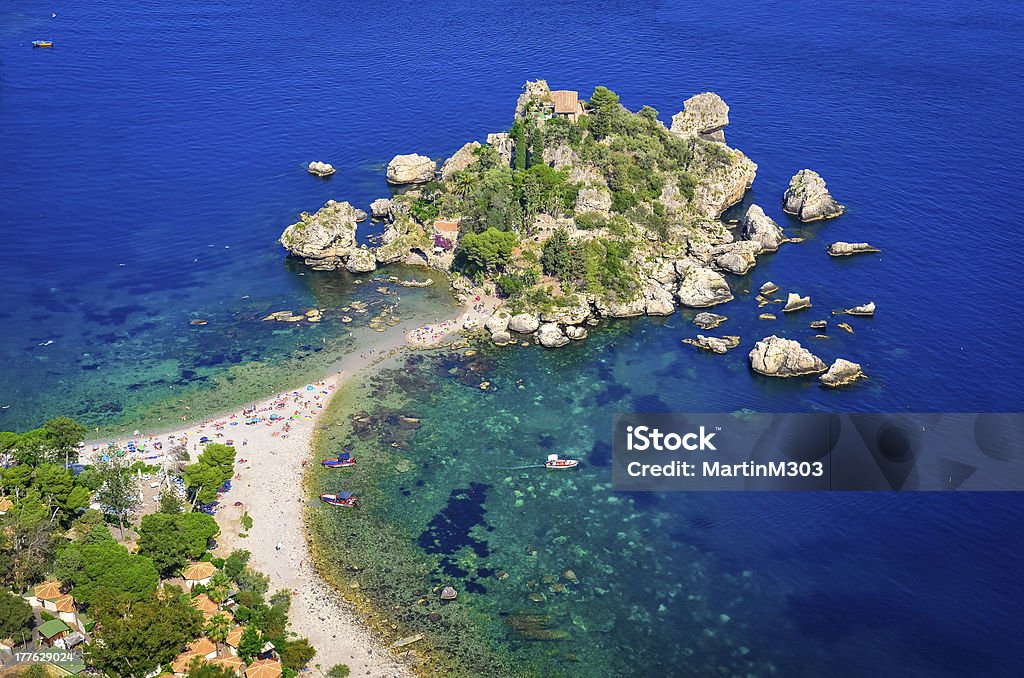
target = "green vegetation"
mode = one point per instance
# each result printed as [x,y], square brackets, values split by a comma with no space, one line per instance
[214,467]
[171,541]
[487,252]
[100,570]
[15,615]
[339,671]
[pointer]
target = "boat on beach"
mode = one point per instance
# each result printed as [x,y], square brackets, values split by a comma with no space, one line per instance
[342,499]
[42,43]
[555,464]
[343,460]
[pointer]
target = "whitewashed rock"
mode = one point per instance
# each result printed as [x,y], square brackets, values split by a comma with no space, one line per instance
[777,357]
[320,169]
[410,169]
[551,336]
[808,199]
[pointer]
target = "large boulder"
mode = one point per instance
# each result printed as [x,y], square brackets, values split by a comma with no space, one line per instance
[462,159]
[320,169]
[845,249]
[381,208]
[796,303]
[701,287]
[841,373]
[866,310]
[361,260]
[708,321]
[737,257]
[524,323]
[658,300]
[561,156]
[569,314]
[808,199]
[777,357]
[576,333]
[551,335]
[759,227]
[597,200]
[498,322]
[705,115]
[503,144]
[324,239]
[411,169]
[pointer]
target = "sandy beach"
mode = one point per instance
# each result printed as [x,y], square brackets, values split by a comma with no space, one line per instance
[273,449]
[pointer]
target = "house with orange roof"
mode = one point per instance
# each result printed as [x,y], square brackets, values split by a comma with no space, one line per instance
[67,610]
[234,638]
[231,663]
[45,595]
[203,603]
[264,668]
[446,234]
[5,505]
[198,573]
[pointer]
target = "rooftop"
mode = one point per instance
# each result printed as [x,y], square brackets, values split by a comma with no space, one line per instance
[203,603]
[264,668]
[446,226]
[199,571]
[53,627]
[566,100]
[48,590]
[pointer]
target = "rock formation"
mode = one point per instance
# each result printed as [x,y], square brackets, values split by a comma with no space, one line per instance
[701,287]
[759,227]
[796,303]
[866,310]
[324,239]
[840,373]
[498,322]
[719,345]
[361,260]
[380,208]
[737,257]
[708,321]
[845,249]
[777,357]
[524,323]
[459,161]
[320,169]
[551,336]
[768,288]
[410,169]
[704,115]
[597,200]
[503,144]
[808,199]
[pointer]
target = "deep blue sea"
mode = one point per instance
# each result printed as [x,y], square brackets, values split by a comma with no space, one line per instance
[149,162]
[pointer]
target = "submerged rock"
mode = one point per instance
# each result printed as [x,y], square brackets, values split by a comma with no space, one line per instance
[796,303]
[845,249]
[701,287]
[808,199]
[759,227]
[777,357]
[410,169]
[865,310]
[718,345]
[708,321]
[840,373]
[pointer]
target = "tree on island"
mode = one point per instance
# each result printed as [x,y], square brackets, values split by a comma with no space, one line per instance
[604,109]
[140,635]
[488,251]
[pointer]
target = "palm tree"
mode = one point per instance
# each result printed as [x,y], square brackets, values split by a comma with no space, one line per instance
[218,628]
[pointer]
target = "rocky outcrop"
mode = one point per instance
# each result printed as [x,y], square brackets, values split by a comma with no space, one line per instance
[865,310]
[381,208]
[576,333]
[841,373]
[808,199]
[777,357]
[561,156]
[320,169]
[569,314]
[498,322]
[658,300]
[845,249]
[701,287]
[324,239]
[819,324]
[536,90]
[501,338]
[737,257]
[725,175]
[361,260]
[796,303]
[719,345]
[411,169]
[615,308]
[708,321]
[590,200]
[758,226]
[524,323]
[704,115]
[768,288]
[503,144]
[551,336]
[462,159]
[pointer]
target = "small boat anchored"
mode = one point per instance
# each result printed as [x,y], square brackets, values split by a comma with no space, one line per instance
[42,43]
[342,499]
[555,464]
[343,460]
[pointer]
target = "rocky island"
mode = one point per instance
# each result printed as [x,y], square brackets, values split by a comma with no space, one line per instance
[583,210]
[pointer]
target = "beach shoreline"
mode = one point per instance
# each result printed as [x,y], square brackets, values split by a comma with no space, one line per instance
[271,461]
